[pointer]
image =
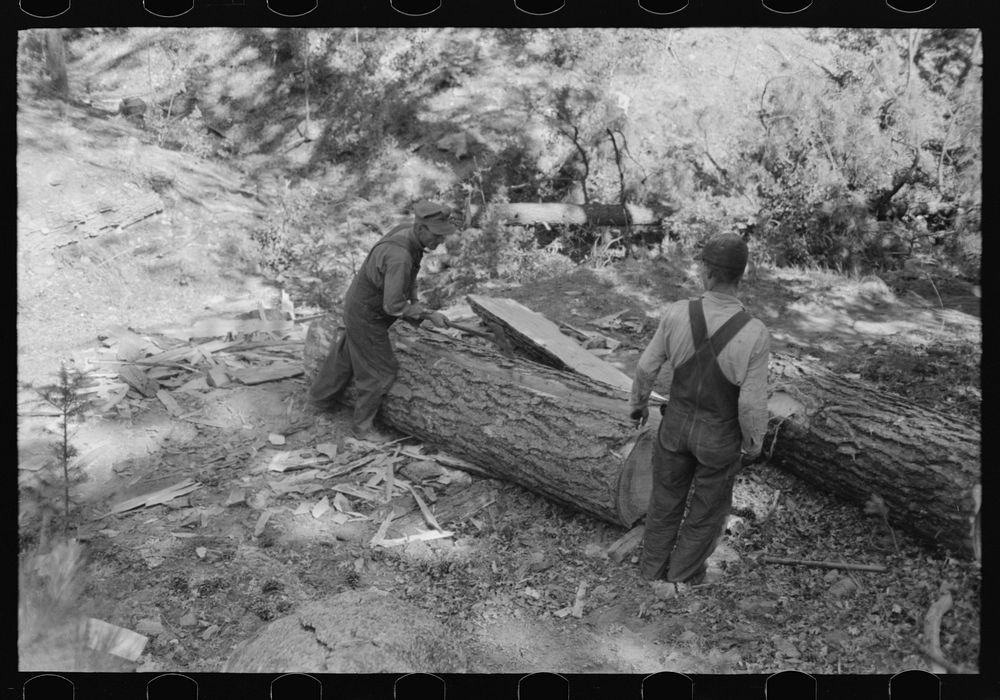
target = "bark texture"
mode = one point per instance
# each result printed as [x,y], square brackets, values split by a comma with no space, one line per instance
[855,441]
[558,434]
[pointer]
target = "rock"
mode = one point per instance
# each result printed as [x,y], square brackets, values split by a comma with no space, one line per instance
[352,632]
[786,647]
[149,627]
[188,620]
[760,606]
[843,587]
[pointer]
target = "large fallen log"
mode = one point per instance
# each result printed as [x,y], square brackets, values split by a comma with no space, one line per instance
[857,442]
[554,213]
[852,440]
[567,437]
[559,434]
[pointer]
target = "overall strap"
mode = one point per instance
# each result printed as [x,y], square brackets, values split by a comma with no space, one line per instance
[699,330]
[728,330]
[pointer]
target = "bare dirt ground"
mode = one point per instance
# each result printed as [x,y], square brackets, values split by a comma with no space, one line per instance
[198,576]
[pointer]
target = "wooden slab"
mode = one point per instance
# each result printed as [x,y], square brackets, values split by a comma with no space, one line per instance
[537,334]
[271,373]
[181,488]
[626,544]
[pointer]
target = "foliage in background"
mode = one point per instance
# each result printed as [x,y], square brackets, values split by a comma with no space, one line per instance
[846,148]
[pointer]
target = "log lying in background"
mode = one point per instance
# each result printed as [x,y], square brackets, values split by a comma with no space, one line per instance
[558,434]
[855,441]
[555,213]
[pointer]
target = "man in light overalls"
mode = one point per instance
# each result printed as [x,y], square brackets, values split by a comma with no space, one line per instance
[715,420]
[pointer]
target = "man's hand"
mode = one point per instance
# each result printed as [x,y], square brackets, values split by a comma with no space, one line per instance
[437,319]
[747,458]
[639,416]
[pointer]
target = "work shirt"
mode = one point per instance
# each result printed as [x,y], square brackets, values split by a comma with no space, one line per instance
[743,361]
[392,267]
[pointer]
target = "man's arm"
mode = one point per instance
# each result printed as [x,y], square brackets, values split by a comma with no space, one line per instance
[395,299]
[648,368]
[753,397]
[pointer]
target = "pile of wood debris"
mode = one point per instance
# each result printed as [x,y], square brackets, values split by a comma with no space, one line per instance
[393,486]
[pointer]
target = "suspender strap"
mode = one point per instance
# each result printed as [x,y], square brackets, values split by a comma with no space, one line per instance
[723,335]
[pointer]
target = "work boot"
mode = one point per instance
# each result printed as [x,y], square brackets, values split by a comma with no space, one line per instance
[324,406]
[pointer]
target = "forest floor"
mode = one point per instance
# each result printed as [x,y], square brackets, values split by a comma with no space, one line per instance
[198,576]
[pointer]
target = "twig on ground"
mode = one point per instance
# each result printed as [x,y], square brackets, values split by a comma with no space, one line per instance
[824,564]
[932,630]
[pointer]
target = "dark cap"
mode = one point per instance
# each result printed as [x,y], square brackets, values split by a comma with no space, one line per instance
[727,251]
[435,216]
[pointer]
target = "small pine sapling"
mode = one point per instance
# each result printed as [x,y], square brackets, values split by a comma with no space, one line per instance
[71,403]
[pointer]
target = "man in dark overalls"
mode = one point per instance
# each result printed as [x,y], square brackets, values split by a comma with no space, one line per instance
[715,420]
[383,291]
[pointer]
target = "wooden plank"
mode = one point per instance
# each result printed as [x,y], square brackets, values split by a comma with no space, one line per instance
[357,491]
[105,637]
[181,488]
[537,334]
[271,373]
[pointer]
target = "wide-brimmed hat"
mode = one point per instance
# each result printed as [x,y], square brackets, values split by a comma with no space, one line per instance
[434,216]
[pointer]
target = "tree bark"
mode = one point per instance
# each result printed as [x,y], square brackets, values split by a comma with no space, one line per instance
[568,437]
[566,213]
[856,441]
[555,433]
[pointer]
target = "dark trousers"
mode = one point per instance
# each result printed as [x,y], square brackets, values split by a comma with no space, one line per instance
[362,352]
[689,453]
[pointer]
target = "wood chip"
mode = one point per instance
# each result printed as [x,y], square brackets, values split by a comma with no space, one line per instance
[320,508]
[428,516]
[261,523]
[302,509]
[581,591]
[138,380]
[276,439]
[341,503]
[419,537]
[625,544]
[379,536]
[173,408]
[271,373]
[236,497]
[181,488]
[121,642]
[327,448]
[217,377]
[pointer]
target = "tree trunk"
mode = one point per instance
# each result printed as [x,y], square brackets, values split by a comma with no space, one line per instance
[55,61]
[565,213]
[555,433]
[567,437]
[855,441]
